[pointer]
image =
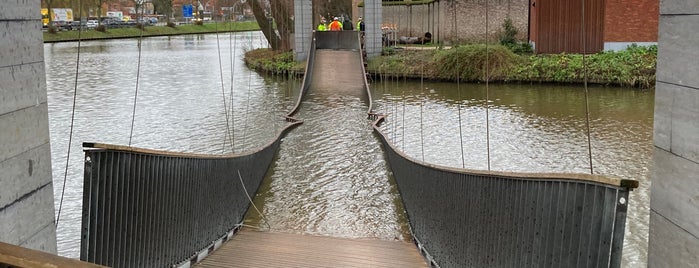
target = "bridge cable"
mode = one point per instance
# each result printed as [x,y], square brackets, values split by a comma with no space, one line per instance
[72,121]
[403,115]
[422,101]
[487,93]
[587,102]
[253,203]
[233,46]
[458,89]
[138,76]
[223,91]
[247,105]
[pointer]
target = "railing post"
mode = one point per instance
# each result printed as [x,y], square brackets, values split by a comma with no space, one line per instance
[622,202]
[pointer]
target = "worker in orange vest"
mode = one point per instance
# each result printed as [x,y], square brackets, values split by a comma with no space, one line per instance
[335,25]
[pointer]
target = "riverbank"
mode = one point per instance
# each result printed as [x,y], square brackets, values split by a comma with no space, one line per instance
[633,67]
[133,32]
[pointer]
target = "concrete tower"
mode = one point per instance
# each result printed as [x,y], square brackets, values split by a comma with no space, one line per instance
[674,217]
[26,187]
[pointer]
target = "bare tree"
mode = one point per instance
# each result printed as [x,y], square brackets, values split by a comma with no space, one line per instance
[163,7]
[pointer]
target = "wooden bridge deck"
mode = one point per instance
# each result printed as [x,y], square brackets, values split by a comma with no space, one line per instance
[265,249]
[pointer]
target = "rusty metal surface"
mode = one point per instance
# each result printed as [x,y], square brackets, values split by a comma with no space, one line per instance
[558,26]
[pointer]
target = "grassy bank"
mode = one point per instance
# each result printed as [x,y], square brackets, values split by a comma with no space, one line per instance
[274,62]
[132,32]
[634,67]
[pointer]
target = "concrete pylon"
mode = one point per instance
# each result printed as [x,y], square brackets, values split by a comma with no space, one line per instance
[373,16]
[674,217]
[303,28]
[26,185]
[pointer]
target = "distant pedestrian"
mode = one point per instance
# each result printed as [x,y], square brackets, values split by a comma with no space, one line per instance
[360,24]
[347,25]
[335,25]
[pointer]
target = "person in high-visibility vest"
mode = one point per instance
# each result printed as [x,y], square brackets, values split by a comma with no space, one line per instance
[335,25]
[322,26]
[360,24]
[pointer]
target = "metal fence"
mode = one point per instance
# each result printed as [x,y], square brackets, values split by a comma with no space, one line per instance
[144,208]
[466,218]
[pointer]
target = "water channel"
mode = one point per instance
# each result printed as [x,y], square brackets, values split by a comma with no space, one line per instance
[180,107]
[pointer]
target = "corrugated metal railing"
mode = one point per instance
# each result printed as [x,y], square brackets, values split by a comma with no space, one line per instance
[337,40]
[145,208]
[468,218]
[307,77]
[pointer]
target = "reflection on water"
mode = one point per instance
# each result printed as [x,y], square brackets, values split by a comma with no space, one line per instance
[536,128]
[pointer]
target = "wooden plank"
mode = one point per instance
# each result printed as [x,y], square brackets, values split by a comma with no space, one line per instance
[15,256]
[266,249]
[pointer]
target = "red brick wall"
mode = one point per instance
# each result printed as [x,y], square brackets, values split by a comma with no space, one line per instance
[631,21]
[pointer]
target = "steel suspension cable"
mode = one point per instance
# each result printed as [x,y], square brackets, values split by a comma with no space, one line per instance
[458,89]
[403,114]
[247,105]
[587,102]
[72,121]
[223,91]
[233,47]
[487,93]
[138,76]
[422,101]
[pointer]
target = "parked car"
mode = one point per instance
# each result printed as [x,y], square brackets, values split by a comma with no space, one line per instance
[91,24]
[73,25]
[60,25]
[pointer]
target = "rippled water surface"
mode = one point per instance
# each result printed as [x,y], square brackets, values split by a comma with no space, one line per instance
[330,176]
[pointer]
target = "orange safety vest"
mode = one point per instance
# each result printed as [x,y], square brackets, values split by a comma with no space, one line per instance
[335,26]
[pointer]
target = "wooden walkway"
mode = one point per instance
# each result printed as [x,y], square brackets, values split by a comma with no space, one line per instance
[264,249]
[340,73]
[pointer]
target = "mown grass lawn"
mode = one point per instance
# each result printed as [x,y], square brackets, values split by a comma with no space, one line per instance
[133,32]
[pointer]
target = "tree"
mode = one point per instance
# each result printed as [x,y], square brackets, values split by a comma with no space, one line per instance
[163,7]
[266,23]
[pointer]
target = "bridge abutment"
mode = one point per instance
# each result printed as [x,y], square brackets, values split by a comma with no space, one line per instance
[674,217]
[26,185]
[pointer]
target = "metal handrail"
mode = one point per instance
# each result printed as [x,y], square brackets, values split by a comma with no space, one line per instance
[16,256]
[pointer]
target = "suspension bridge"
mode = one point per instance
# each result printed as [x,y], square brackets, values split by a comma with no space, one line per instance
[146,208]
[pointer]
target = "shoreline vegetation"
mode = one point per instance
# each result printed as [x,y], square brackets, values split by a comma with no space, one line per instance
[149,31]
[633,67]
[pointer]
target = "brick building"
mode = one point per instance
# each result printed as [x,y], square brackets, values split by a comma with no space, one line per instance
[551,26]
[458,21]
[557,26]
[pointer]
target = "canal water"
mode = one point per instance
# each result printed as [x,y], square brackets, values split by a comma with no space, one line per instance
[180,107]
